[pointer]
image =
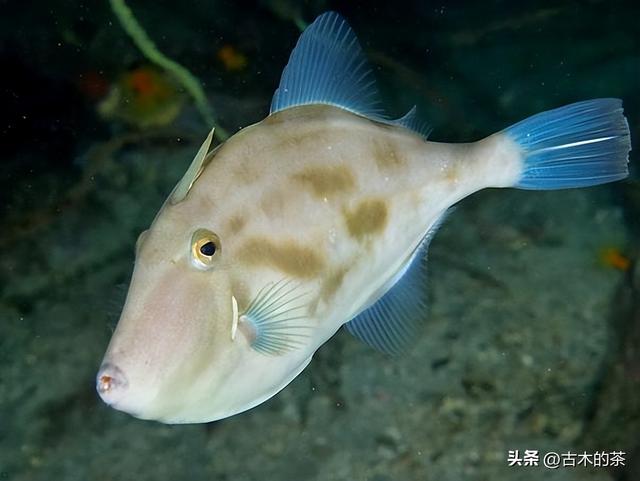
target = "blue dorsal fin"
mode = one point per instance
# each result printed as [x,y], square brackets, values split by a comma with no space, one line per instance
[392,322]
[411,121]
[327,66]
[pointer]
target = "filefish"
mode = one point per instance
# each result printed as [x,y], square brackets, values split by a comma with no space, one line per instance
[317,217]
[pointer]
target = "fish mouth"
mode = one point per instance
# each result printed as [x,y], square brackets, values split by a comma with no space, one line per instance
[111,383]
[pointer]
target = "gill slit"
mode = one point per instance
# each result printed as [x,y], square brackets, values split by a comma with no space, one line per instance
[234,321]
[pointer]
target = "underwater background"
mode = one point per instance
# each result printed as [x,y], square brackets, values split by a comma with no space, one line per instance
[532,338]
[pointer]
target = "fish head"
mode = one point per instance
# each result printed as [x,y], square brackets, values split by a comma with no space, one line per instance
[182,351]
[173,339]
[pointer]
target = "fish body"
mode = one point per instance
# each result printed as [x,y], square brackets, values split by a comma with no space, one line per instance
[316,217]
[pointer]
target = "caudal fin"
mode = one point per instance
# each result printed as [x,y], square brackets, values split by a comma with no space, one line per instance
[581,144]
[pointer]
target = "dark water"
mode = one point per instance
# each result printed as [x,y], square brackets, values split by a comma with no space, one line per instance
[533,334]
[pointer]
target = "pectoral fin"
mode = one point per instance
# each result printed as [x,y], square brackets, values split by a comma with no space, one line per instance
[275,320]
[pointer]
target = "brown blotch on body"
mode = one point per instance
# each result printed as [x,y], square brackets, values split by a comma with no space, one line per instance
[246,174]
[333,282]
[299,139]
[236,224]
[369,217]
[326,181]
[288,256]
[274,202]
[387,156]
[300,113]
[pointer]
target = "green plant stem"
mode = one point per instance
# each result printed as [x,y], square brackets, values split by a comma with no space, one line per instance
[180,73]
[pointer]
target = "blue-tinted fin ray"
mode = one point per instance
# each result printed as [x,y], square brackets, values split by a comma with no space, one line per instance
[328,66]
[413,122]
[578,145]
[392,321]
[276,318]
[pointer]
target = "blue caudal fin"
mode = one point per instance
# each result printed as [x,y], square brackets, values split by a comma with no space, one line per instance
[581,144]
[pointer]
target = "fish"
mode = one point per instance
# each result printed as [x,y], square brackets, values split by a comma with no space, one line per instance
[317,217]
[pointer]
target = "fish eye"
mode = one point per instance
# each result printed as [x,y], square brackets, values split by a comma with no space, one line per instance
[205,246]
[208,249]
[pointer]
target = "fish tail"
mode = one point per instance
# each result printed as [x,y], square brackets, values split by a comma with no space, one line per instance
[578,145]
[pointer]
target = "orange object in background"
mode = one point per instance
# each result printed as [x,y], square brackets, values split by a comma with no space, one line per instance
[148,85]
[613,257]
[143,97]
[232,59]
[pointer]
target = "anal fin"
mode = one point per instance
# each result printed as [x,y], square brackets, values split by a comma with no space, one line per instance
[393,320]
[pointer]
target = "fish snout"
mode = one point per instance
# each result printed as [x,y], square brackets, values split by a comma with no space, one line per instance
[111,383]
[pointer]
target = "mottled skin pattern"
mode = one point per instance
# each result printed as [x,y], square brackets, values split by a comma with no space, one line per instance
[315,194]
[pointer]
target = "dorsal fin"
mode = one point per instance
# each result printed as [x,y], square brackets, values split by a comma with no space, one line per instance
[392,322]
[327,66]
[411,121]
[191,175]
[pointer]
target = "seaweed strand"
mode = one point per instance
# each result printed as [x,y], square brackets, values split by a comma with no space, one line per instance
[182,75]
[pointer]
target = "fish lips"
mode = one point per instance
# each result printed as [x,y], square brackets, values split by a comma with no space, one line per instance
[111,383]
